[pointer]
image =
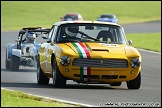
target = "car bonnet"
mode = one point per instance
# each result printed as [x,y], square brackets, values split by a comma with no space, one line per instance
[96,48]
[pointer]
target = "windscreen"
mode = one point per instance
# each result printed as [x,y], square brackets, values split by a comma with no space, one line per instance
[91,33]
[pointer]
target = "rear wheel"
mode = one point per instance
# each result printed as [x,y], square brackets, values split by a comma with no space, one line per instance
[7,62]
[135,83]
[58,79]
[14,66]
[41,78]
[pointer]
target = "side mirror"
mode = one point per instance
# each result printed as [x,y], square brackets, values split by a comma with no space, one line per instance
[130,42]
[48,40]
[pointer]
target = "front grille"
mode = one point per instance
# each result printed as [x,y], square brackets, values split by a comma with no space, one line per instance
[102,63]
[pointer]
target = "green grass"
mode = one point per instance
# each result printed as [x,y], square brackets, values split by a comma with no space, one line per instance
[20,99]
[18,14]
[149,41]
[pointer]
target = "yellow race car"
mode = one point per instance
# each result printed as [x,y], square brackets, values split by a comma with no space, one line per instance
[88,52]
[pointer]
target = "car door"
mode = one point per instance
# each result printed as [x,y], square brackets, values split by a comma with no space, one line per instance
[44,53]
[50,49]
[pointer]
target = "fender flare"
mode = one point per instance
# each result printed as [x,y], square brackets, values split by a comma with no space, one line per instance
[16,52]
[9,48]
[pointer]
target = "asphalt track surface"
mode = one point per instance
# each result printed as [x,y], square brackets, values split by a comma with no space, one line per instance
[92,94]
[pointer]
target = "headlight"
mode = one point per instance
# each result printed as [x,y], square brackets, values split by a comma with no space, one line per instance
[65,60]
[135,63]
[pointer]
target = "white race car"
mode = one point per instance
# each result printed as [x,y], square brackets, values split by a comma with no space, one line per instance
[24,52]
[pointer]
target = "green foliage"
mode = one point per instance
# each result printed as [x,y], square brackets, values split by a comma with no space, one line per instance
[149,41]
[20,99]
[18,14]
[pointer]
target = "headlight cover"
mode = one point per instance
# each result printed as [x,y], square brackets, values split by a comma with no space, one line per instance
[135,63]
[65,60]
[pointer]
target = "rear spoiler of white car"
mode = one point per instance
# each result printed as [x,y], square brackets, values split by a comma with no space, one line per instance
[34,29]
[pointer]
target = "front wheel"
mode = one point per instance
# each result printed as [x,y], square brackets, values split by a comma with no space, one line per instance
[7,62]
[135,83]
[58,79]
[41,78]
[14,66]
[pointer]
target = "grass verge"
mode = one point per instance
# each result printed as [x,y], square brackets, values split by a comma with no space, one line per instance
[148,41]
[11,98]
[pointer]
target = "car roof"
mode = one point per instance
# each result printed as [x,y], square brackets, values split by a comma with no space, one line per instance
[84,21]
[109,14]
[72,14]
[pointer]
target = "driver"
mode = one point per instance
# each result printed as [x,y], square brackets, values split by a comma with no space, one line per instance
[72,31]
[30,37]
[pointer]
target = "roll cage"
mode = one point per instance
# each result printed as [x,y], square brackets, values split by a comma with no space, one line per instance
[36,30]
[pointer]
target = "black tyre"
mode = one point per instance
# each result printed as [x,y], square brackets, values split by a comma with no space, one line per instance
[41,78]
[116,84]
[135,83]
[7,62]
[58,79]
[14,66]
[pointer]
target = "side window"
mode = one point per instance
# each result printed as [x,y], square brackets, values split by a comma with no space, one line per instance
[51,32]
[54,34]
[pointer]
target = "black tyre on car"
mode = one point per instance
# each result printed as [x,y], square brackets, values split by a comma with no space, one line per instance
[58,79]
[7,62]
[135,83]
[14,66]
[41,78]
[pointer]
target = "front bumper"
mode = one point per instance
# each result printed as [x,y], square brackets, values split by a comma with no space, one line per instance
[102,75]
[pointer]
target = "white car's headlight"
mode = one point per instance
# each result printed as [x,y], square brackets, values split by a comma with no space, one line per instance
[135,63]
[65,60]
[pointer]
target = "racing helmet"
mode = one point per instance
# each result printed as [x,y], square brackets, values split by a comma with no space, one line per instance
[72,31]
[30,36]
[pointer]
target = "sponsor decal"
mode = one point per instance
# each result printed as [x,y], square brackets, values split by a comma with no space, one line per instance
[106,44]
[83,53]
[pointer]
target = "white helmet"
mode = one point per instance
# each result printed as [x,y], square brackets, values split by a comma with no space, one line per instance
[72,31]
[30,36]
